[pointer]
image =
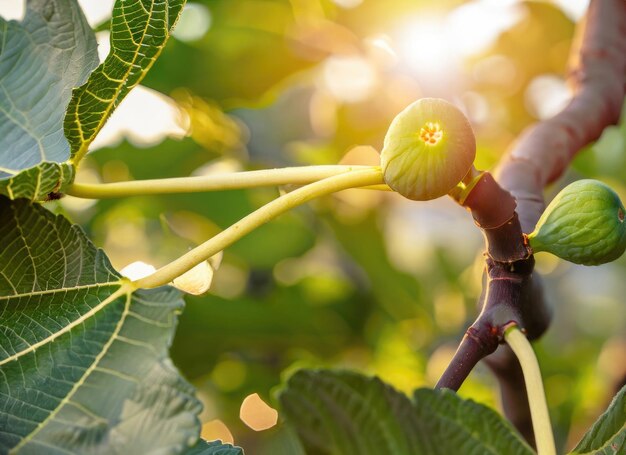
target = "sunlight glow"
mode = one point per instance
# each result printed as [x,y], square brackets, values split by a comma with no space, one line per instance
[104,44]
[349,78]
[97,11]
[12,9]
[424,46]
[547,95]
[380,50]
[145,117]
[473,26]
[347,4]
[137,270]
[575,9]
[433,43]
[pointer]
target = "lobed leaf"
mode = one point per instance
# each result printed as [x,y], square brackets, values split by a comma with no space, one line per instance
[348,413]
[84,364]
[608,435]
[42,59]
[139,32]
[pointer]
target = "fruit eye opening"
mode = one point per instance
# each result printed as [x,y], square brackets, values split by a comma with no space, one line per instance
[431,133]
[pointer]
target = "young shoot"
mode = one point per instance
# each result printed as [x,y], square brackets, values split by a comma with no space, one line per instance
[354,179]
[534,387]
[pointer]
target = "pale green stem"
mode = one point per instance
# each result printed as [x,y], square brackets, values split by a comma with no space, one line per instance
[534,387]
[365,177]
[228,181]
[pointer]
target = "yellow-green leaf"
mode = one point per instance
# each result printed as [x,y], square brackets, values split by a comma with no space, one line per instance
[139,32]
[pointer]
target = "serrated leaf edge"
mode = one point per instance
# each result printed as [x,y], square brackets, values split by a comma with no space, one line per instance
[78,155]
[597,422]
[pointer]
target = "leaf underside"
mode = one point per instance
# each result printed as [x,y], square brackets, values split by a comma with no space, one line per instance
[46,124]
[84,364]
[340,412]
[139,32]
[42,59]
[608,435]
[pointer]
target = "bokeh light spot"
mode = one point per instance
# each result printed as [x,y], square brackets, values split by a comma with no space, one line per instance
[349,78]
[104,44]
[12,9]
[257,414]
[216,430]
[137,270]
[194,22]
[145,117]
[229,375]
[547,95]
[348,4]
[424,46]
[439,361]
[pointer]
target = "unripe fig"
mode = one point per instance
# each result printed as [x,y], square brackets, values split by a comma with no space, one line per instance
[583,224]
[428,149]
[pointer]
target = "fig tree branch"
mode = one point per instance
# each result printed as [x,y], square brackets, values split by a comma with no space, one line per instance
[597,76]
[505,211]
[543,152]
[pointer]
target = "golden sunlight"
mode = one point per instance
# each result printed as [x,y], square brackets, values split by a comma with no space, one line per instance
[432,44]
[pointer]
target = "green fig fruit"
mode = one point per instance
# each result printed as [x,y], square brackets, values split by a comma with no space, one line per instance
[428,149]
[583,224]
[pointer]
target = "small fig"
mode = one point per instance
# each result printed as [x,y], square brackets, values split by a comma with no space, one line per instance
[583,224]
[428,149]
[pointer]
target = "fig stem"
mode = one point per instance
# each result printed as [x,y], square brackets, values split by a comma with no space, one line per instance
[359,178]
[534,387]
[226,181]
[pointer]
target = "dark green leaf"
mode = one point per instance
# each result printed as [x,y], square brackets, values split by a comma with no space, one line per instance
[608,435]
[347,413]
[139,31]
[213,448]
[84,365]
[42,59]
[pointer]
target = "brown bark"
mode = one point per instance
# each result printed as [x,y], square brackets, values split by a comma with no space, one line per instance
[597,76]
[512,293]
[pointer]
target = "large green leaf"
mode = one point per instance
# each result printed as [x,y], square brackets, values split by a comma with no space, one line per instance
[608,435]
[213,448]
[139,31]
[84,364]
[42,59]
[340,412]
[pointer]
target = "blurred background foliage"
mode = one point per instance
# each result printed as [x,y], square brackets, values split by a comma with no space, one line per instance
[361,280]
